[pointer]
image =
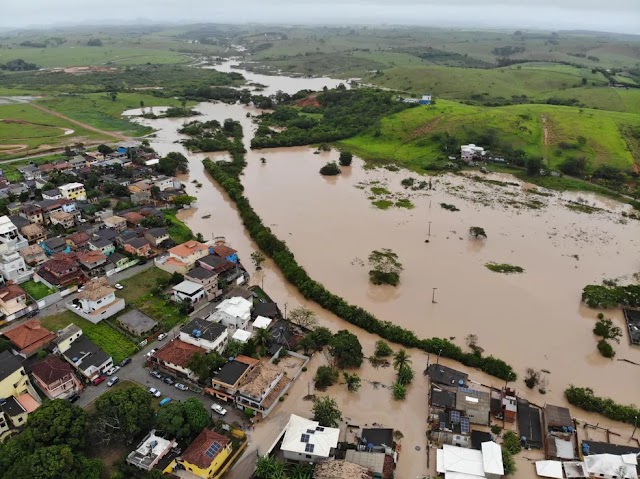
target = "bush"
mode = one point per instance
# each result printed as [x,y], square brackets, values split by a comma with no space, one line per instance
[511,442]
[382,349]
[325,376]
[399,391]
[330,169]
[606,349]
[496,430]
[586,399]
[346,157]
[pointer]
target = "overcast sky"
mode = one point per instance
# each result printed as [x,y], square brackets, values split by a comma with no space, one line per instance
[610,15]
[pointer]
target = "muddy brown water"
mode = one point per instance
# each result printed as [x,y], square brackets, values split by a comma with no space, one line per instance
[534,319]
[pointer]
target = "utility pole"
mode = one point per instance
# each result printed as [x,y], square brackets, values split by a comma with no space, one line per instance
[433,296]
[438,360]
[429,229]
[635,426]
[285,310]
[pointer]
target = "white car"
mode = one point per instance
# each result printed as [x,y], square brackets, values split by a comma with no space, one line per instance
[118,286]
[219,409]
[154,392]
[181,387]
[161,336]
[113,370]
[151,353]
[113,380]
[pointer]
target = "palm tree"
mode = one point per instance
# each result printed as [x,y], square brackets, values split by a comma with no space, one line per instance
[142,106]
[401,360]
[268,467]
[262,337]
[302,471]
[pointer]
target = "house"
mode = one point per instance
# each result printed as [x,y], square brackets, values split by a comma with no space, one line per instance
[377,440]
[138,247]
[60,271]
[205,334]
[612,466]
[55,378]
[90,261]
[73,191]
[137,323]
[52,194]
[157,236]
[372,462]
[65,337]
[66,220]
[140,186]
[150,451]
[97,301]
[444,375]
[87,358]
[451,427]
[133,218]
[267,310]
[508,405]
[228,378]
[475,404]
[107,233]
[13,268]
[262,323]
[78,240]
[55,245]
[34,233]
[18,221]
[182,258]
[164,183]
[206,454]
[208,279]
[118,223]
[471,152]
[442,398]
[217,264]
[33,255]
[118,261]
[529,424]
[453,461]
[234,313]
[241,336]
[104,246]
[10,238]
[189,292]
[343,469]
[32,212]
[560,441]
[175,356]
[29,337]
[262,388]
[19,396]
[306,441]
[424,100]
[29,172]
[225,252]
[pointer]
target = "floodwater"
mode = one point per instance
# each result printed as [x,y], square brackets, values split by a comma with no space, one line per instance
[534,319]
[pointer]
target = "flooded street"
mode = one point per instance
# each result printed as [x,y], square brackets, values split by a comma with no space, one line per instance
[534,319]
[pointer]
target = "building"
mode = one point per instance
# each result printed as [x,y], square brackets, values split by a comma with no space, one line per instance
[55,245]
[67,336]
[118,223]
[10,239]
[33,255]
[29,337]
[55,378]
[612,466]
[560,440]
[62,218]
[226,252]
[97,301]
[138,247]
[150,451]
[133,218]
[442,398]
[189,292]
[457,462]
[205,334]
[373,462]
[306,441]
[444,375]
[262,388]
[87,358]
[13,268]
[91,261]
[19,396]
[344,469]
[262,323]
[33,233]
[508,405]
[424,100]
[73,191]
[182,258]
[471,152]
[78,240]
[165,183]
[157,237]
[529,424]
[13,302]
[227,380]
[32,212]
[137,323]
[217,264]
[377,440]
[175,356]
[60,271]
[206,454]
[208,279]
[475,404]
[234,313]
[104,246]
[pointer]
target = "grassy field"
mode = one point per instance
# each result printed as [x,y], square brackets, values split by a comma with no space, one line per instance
[407,136]
[10,170]
[111,341]
[178,231]
[37,290]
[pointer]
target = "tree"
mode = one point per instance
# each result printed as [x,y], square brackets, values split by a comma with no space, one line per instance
[183,200]
[325,411]
[325,376]
[330,169]
[262,337]
[302,471]
[606,349]
[606,329]
[205,365]
[508,463]
[234,348]
[385,266]
[121,415]
[105,149]
[155,191]
[183,420]
[399,391]
[382,349]
[477,231]
[533,165]
[532,378]
[511,442]
[269,467]
[574,166]
[405,375]
[401,360]
[173,163]
[58,422]
[5,345]
[304,317]
[52,462]
[316,339]
[346,349]
[142,105]
[352,381]
[258,258]
[472,342]
[346,157]
[114,95]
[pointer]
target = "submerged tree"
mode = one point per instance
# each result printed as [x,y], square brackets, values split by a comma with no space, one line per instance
[326,412]
[303,316]
[330,169]
[477,231]
[352,381]
[385,266]
[258,258]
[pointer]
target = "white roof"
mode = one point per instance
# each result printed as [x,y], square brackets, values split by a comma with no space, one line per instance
[187,287]
[322,440]
[564,449]
[6,225]
[611,465]
[237,306]
[492,458]
[549,469]
[262,322]
[152,162]
[158,448]
[460,475]
[68,186]
[460,459]
[241,335]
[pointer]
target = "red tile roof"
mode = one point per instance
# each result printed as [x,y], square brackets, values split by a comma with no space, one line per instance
[60,263]
[178,352]
[196,452]
[185,250]
[79,238]
[52,369]
[223,250]
[133,217]
[11,291]
[29,336]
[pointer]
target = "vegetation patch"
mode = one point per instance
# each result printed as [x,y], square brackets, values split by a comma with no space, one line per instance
[385,266]
[600,296]
[380,190]
[582,208]
[504,268]
[37,290]
[405,203]
[382,204]
[449,207]
[586,399]
[178,230]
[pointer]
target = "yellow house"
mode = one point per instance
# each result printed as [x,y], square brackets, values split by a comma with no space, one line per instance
[19,398]
[14,380]
[73,191]
[206,454]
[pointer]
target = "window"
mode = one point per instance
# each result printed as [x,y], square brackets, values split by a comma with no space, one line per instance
[308,456]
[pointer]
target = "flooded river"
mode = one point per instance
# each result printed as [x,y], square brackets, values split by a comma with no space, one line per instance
[534,319]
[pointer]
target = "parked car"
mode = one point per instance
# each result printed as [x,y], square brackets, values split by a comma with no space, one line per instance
[154,392]
[168,380]
[152,352]
[161,336]
[219,409]
[124,362]
[73,398]
[113,370]
[155,374]
[118,286]
[99,380]
[113,381]
[181,387]
[165,401]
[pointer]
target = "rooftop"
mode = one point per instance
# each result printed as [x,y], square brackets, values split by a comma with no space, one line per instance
[158,232]
[12,407]
[231,372]
[51,369]
[217,263]
[178,353]
[187,287]
[557,417]
[185,250]
[207,330]
[137,321]
[443,398]
[11,291]
[241,335]
[476,404]
[149,450]
[262,323]
[84,347]
[445,375]
[138,243]
[237,307]
[95,290]
[257,381]
[224,251]
[372,461]
[29,336]
[308,437]
[342,470]
[200,273]
[32,230]
[203,450]
[378,437]
[9,364]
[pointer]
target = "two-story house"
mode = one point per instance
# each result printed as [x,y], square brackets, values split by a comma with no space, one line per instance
[55,378]
[66,336]
[34,233]
[208,279]
[97,301]
[157,236]
[183,258]
[175,357]
[53,194]
[104,246]
[188,292]
[73,191]
[91,261]
[62,218]
[307,441]
[205,334]
[138,247]
[33,255]
[32,212]
[116,222]
[165,182]
[226,381]
[78,240]
[226,252]
[10,238]
[234,313]
[206,454]
[87,358]
[14,303]
[55,245]
[60,271]
[13,268]
[19,396]
[261,388]
[133,218]
[29,338]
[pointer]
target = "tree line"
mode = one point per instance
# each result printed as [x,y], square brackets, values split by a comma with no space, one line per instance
[586,399]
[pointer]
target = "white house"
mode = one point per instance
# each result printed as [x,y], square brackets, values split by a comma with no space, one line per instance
[241,336]
[262,323]
[471,152]
[456,462]
[166,183]
[234,313]
[150,451]
[205,334]
[10,238]
[87,358]
[188,291]
[73,191]
[97,301]
[13,268]
[306,441]
[611,466]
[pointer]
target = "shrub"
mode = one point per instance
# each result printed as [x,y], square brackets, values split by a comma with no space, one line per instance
[399,391]
[330,169]
[325,376]
[346,157]
[511,442]
[495,429]
[504,268]
[606,349]
[382,349]
[586,399]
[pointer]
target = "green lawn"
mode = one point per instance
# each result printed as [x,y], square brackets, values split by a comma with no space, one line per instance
[10,170]
[178,231]
[111,341]
[37,290]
